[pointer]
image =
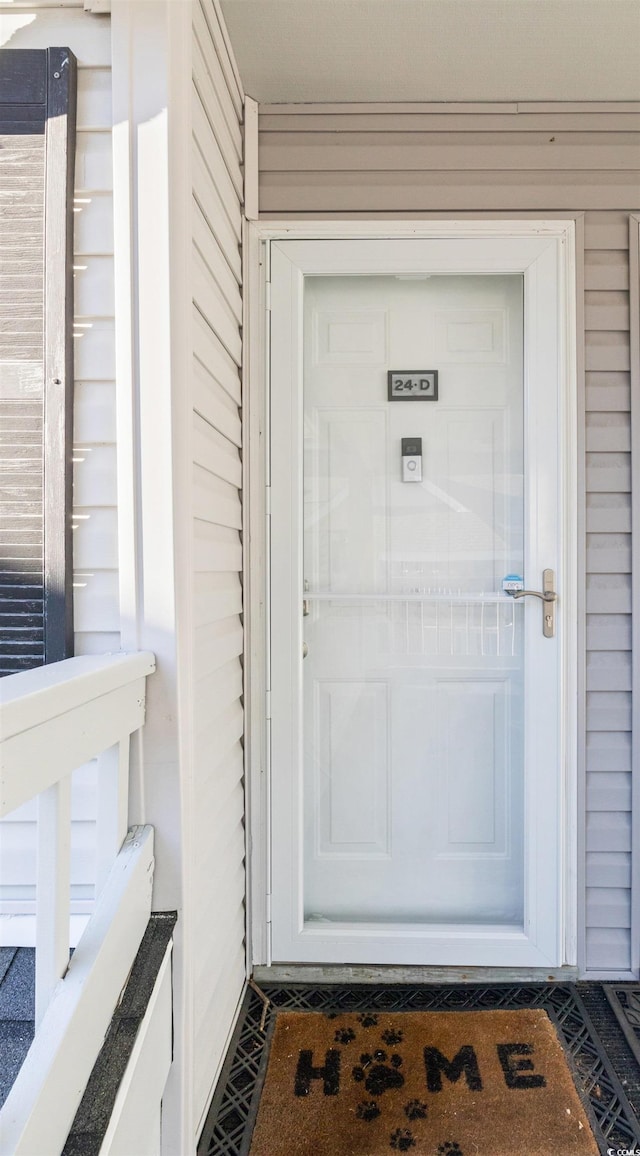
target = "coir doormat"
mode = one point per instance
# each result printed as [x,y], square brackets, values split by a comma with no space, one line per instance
[488,1083]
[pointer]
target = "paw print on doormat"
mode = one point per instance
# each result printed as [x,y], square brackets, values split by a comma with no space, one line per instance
[392,1037]
[402,1140]
[415,1110]
[368,1020]
[368,1110]
[450,1148]
[378,1075]
[344,1036]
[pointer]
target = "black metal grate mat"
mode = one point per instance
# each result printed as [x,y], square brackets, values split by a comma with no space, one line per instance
[229,1124]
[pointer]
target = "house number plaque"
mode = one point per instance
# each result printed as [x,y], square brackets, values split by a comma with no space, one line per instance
[412,385]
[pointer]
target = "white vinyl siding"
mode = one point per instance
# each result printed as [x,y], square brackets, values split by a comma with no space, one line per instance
[95,542]
[358,161]
[218,876]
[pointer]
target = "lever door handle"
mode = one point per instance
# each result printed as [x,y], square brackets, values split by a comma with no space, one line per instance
[548,597]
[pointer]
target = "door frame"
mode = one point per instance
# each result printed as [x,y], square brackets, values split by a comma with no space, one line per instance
[257,239]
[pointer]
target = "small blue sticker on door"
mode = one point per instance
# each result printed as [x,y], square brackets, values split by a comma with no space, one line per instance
[512,582]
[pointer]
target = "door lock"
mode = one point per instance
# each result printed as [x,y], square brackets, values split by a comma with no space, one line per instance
[549,599]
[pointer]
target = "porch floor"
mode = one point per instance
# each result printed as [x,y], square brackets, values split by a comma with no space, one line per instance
[17,1012]
[603,1046]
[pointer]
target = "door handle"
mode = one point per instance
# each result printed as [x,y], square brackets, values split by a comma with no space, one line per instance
[549,599]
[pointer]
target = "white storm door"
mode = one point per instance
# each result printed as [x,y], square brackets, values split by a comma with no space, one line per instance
[415,705]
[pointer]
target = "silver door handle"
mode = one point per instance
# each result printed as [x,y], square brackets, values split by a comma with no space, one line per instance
[548,596]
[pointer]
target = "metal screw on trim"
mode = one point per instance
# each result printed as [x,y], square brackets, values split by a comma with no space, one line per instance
[56,76]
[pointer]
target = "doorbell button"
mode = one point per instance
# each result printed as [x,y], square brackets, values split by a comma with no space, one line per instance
[412,459]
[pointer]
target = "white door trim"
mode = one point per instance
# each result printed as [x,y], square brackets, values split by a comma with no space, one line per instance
[258,476]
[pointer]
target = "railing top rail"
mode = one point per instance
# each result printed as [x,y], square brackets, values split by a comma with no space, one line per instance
[33,697]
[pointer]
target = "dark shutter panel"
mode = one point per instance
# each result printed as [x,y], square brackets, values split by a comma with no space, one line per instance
[37,145]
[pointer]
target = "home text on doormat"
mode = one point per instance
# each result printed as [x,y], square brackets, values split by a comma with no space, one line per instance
[488,1083]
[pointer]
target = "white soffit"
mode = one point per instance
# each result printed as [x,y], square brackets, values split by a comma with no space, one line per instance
[436,50]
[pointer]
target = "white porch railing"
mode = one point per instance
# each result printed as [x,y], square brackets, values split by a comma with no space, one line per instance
[53,720]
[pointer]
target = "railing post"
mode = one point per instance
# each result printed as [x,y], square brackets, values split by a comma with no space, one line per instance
[113,807]
[53,900]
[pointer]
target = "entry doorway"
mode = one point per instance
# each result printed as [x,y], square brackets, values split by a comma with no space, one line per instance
[421,417]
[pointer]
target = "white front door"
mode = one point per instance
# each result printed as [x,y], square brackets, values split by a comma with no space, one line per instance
[416,477]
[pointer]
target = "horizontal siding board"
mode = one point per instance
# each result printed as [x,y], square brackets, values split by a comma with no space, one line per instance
[609,831]
[94,476]
[216,594]
[208,202]
[608,670]
[215,501]
[606,230]
[214,405]
[224,167]
[94,109]
[206,235]
[608,269]
[608,751]
[216,547]
[207,70]
[211,252]
[215,309]
[215,644]
[96,546]
[609,791]
[214,359]
[608,949]
[608,472]
[94,413]
[607,310]
[96,600]
[321,120]
[214,97]
[607,351]
[216,453]
[609,513]
[611,869]
[609,907]
[94,163]
[207,193]
[608,632]
[222,734]
[218,690]
[212,997]
[220,50]
[608,710]
[606,432]
[210,1046]
[350,191]
[94,287]
[608,594]
[425,152]
[93,220]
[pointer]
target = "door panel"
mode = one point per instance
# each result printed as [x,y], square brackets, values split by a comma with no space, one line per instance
[413,682]
[416,760]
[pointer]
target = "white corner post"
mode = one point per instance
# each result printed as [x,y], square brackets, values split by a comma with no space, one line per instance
[151,46]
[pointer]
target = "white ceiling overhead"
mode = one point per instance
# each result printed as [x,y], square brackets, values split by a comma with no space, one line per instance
[436,50]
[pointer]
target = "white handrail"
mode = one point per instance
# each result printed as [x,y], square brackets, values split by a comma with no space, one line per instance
[43,730]
[52,720]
